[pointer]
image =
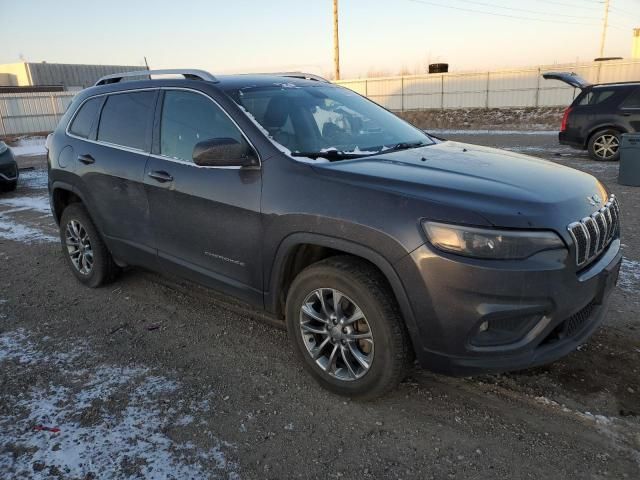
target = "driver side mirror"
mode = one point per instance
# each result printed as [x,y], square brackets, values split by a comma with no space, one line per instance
[224,152]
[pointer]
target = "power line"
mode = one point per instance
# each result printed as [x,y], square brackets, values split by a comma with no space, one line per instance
[572,5]
[535,12]
[504,15]
[624,12]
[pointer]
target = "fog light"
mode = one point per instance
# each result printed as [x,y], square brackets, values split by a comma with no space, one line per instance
[497,331]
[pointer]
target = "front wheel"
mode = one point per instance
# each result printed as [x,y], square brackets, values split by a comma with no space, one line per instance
[604,145]
[345,326]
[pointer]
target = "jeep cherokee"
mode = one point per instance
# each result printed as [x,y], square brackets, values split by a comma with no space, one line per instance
[371,240]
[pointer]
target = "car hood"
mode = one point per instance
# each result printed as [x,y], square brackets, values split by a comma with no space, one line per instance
[507,189]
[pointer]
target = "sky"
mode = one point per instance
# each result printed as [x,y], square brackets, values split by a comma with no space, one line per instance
[278,35]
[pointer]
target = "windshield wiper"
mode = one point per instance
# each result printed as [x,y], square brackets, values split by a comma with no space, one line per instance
[406,146]
[329,155]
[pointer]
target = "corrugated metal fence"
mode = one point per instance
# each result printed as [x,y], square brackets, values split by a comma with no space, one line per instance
[497,89]
[22,113]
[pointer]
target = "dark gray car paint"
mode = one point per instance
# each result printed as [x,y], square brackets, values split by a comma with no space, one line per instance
[8,163]
[249,220]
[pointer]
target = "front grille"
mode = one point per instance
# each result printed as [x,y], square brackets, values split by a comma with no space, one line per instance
[592,234]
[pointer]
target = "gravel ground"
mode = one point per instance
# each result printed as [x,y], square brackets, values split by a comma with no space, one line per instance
[152,377]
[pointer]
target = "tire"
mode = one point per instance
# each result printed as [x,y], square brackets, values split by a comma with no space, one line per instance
[387,352]
[604,145]
[76,224]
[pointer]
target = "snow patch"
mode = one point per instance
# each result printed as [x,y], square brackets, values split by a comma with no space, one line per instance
[38,204]
[34,179]
[10,230]
[29,147]
[104,421]
[629,279]
[614,428]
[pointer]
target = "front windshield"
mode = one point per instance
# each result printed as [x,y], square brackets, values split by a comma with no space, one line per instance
[323,119]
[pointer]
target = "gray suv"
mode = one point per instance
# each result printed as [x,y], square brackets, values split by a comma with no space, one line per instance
[374,242]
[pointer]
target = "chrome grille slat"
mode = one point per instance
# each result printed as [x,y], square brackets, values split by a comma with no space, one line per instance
[592,234]
[609,218]
[602,230]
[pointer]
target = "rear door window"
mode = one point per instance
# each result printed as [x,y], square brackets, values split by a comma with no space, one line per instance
[126,119]
[84,119]
[633,100]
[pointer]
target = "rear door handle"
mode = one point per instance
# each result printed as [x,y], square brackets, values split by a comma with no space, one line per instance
[86,159]
[626,114]
[161,176]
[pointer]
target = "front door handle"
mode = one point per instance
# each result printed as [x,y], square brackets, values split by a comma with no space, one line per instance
[86,159]
[626,114]
[161,176]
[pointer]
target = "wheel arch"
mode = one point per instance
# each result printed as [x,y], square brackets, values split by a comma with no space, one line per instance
[606,126]
[62,195]
[300,250]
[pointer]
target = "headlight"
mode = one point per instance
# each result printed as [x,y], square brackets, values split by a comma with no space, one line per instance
[3,147]
[489,243]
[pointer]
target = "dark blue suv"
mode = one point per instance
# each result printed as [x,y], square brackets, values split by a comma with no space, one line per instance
[599,115]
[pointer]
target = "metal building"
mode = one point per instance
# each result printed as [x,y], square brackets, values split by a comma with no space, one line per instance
[68,75]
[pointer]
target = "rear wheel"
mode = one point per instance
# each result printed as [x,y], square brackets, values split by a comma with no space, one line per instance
[84,249]
[345,326]
[604,145]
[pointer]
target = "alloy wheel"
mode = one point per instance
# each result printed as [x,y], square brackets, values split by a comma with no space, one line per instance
[606,146]
[336,334]
[78,246]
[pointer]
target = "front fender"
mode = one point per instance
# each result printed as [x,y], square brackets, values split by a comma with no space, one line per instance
[288,246]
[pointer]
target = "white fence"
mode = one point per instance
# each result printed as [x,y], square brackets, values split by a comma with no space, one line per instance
[22,113]
[497,89]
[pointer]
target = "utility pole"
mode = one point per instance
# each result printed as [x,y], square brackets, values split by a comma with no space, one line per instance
[336,43]
[605,25]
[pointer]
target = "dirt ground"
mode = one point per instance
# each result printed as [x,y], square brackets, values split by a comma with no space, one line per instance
[152,377]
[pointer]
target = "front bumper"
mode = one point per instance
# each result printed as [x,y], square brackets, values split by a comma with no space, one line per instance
[8,171]
[550,308]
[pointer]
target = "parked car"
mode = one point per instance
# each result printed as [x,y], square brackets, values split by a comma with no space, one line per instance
[371,240]
[8,169]
[599,115]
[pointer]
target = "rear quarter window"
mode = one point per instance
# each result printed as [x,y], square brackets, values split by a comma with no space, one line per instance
[598,96]
[126,119]
[633,100]
[84,119]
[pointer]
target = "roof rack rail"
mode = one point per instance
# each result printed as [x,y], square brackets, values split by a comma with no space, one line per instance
[188,74]
[303,75]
